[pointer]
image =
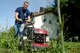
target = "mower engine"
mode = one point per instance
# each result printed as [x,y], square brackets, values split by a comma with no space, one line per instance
[41,36]
[41,39]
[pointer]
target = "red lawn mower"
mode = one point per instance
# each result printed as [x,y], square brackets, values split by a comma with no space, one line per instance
[38,38]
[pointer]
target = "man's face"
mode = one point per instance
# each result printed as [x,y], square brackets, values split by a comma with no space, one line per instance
[25,5]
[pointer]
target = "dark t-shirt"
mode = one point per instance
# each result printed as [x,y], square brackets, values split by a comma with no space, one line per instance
[22,14]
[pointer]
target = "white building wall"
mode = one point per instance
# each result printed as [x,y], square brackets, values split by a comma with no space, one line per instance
[48,22]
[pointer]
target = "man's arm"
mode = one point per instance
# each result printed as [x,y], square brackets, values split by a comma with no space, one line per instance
[16,16]
[29,19]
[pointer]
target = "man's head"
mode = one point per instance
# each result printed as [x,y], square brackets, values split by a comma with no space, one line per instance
[25,5]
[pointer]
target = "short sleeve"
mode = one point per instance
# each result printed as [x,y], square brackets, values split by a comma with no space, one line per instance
[17,10]
[28,13]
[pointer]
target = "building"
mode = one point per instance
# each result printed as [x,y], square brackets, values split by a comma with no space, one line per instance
[47,21]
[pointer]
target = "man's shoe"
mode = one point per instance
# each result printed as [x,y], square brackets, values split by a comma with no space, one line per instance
[25,37]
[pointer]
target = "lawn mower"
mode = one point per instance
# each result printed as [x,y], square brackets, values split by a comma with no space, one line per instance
[38,38]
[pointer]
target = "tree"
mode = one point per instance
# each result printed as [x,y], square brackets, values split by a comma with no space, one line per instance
[70,10]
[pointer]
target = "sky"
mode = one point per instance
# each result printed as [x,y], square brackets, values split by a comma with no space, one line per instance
[8,7]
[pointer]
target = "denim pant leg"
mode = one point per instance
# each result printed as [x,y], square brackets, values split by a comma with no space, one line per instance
[22,29]
[16,28]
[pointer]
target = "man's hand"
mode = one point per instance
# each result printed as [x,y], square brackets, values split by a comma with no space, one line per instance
[20,20]
[28,20]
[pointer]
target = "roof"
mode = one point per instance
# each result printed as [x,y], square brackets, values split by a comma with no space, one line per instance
[40,13]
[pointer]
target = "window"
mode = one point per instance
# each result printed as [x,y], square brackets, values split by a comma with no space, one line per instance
[50,22]
[44,19]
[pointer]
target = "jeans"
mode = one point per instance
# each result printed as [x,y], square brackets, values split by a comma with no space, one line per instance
[19,29]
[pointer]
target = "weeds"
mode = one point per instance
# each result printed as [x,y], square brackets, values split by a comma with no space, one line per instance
[9,44]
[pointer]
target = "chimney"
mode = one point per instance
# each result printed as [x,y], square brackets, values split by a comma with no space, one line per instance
[41,9]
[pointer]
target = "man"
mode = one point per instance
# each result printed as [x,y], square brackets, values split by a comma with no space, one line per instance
[22,16]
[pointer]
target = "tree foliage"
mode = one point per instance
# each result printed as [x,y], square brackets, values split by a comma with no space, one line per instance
[71,10]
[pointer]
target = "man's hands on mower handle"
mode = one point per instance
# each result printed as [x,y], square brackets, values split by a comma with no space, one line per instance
[27,21]
[19,20]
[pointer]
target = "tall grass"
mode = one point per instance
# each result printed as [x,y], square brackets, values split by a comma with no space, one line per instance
[61,27]
[7,41]
[9,44]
